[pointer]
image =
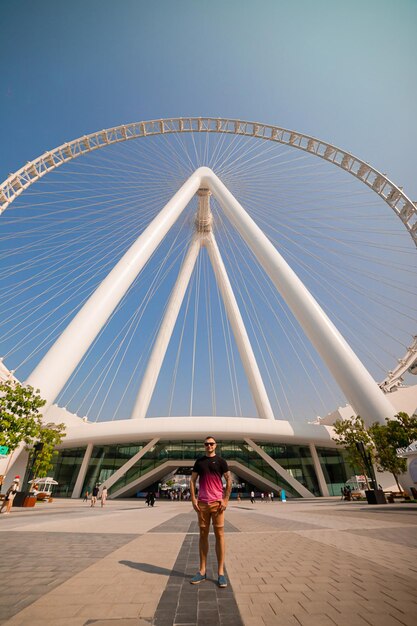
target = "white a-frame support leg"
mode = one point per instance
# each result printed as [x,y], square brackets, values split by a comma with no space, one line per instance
[57,365]
[250,365]
[156,359]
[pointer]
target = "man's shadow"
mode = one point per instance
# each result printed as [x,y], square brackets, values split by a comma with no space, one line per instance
[154,569]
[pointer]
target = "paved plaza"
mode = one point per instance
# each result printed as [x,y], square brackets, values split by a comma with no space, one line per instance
[303,563]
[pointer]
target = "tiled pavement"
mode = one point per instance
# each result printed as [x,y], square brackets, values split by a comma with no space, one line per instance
[304,563]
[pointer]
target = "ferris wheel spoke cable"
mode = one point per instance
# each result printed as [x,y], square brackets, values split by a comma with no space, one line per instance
[128,206]
[342,323]
[157,164]
[305,348]
[135,318]
[255,325]
[127,341]
[318,277]
[234,263]
[196,308]
[258,287]
[383,302]
[40,322]
[82,227]
[210,345]
[179,348]
[301,339]
[229,354]
[99,257]
[311,241]
[63,253]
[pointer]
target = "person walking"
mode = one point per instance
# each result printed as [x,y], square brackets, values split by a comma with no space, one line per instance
[10,495]
[86,496]
[103,497]
[94,495]
[210,506]
[252,497]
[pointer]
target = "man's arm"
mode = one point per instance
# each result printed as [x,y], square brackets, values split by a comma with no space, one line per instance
[193,481]
[228,490]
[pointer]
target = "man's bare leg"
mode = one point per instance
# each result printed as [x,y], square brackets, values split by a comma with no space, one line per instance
[204,545]
[220,548]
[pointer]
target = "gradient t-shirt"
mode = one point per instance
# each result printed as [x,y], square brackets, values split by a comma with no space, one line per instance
[210,470]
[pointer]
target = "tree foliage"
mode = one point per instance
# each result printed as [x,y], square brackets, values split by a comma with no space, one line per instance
[403,430]
[20,417]
[380,441]
[21,421]
[349,433]
[386,449]
[49,437]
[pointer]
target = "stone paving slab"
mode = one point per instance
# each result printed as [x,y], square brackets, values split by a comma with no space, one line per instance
[303,579]
[38,562]
[399,558]
[404,536]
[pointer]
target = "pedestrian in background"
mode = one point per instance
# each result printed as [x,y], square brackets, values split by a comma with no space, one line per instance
[10,495]
[94,495]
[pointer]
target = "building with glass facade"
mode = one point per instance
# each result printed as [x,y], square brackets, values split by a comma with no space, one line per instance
[132,456]
[165,457]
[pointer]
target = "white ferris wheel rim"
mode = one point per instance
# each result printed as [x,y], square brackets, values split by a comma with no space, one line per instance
[393,195]
[378,182]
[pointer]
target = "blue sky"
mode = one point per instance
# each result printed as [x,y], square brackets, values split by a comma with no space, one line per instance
[341,71]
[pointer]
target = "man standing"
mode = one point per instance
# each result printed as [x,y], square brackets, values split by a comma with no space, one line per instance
[210,505]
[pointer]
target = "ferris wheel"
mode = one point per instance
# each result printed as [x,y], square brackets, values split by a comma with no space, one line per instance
[347,231]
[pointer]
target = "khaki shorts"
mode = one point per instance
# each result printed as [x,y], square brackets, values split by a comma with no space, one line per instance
[210,511]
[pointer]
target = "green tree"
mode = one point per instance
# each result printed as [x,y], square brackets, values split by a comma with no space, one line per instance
[384,437]
[50,436]
[403,429]
[349,433]
[21,422]
[20,417]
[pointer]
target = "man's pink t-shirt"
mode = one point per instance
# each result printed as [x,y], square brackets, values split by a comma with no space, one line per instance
[210,470]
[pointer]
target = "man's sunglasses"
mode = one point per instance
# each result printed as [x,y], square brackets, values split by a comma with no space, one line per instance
[209,443]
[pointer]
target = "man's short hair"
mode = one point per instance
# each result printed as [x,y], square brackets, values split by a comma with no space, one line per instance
[210,437]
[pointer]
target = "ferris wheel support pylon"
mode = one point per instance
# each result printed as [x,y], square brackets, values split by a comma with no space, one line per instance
[247,356]
[361,391]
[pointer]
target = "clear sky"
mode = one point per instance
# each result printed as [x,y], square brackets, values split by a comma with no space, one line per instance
[342,71]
